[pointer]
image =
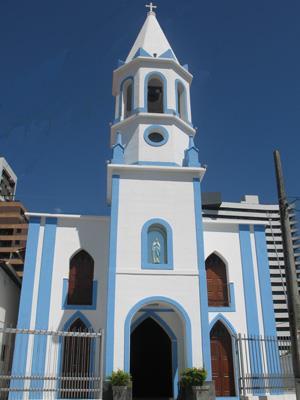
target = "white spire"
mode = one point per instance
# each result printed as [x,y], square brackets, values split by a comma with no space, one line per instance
[151,40]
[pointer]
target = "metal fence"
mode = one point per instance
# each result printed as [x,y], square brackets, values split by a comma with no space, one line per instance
[264,365]
[40,364]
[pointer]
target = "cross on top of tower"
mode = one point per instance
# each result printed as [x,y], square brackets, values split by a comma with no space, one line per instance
[151,7]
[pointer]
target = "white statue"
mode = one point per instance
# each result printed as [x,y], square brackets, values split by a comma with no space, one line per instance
[156,251]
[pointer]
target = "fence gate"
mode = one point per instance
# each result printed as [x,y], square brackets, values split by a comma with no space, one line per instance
[40,364]
[265,365]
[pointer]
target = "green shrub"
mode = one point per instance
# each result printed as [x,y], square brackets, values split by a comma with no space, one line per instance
[120,378]
[193,377]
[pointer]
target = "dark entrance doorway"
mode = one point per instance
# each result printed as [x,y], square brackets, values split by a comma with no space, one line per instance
[222,360]
[151,361]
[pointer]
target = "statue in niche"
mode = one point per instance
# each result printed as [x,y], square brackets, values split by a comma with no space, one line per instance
[156,251]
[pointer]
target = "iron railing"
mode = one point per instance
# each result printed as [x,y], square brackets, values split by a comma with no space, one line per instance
[264,365]
[43,364]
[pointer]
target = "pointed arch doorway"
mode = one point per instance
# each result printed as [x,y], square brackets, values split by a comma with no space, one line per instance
[151,361]
[222,360]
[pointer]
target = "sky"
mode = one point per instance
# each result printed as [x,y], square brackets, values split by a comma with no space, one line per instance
[56,104]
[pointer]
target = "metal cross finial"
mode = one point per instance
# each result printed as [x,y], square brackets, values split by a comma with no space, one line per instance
[151,6]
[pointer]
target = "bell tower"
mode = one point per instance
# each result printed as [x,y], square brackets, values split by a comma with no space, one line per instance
[152,92]
[156,257]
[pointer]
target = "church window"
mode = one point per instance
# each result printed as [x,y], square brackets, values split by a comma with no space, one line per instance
[181,101]
[155,96]
[156,135]
[217,287]
[81,273]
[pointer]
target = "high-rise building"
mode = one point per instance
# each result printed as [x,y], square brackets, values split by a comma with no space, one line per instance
[250,209]
[13,221]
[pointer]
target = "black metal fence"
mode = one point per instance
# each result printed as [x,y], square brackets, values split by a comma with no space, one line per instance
[39,364]
[264,365]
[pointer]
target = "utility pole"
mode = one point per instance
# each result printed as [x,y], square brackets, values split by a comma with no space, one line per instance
[290,273]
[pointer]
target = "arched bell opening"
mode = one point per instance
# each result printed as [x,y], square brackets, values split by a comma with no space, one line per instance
[155,95]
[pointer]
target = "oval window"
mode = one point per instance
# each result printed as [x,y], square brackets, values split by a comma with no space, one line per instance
[155,137]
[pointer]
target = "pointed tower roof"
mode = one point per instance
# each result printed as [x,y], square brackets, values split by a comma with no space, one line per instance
[151,40]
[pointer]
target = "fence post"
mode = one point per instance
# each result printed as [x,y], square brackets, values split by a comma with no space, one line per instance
[242,378]
[101,370]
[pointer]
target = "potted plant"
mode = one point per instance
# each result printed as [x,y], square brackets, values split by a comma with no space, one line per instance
[193,385]
[121,385]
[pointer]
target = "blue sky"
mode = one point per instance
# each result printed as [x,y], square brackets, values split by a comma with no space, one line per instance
[56,63]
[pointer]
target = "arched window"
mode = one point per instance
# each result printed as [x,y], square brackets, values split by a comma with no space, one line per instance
[217,287]
[222,360]
[157,245]
[76,361]
[81,273]
[127,98]
[181,101]
[155,96]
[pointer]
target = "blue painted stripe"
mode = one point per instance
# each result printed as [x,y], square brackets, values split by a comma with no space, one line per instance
[21,343]
[272,351]
[110,312]
[43,305]
[205,337]
[250,297]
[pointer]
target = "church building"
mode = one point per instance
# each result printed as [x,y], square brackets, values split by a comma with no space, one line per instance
[169,286]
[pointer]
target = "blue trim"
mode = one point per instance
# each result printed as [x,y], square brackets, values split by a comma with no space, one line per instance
[119,116]
[43,306]
[231,307]
[250,296]
[118,150]
[144,242]
[157,310]
[272,352]
[205,338]
[110,312]
[165,92]
[168,54]
[66,306]
[21,343]
[159,163]
[191,155]
[156,128]
[225,322]
[181,311]
[77,315]
[248,281]
[184,93]
[172,336]
[141,53]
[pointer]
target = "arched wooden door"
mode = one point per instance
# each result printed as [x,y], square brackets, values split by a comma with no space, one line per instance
[222,360]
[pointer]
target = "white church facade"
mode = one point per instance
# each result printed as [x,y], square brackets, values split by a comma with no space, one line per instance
[154,268]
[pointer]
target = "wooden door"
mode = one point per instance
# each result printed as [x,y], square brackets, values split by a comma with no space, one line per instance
[222,361]
[217,288]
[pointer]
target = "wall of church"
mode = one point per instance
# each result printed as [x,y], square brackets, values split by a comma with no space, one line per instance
[50,252]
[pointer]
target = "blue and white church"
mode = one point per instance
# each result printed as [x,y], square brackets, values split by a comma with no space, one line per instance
[168,286]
